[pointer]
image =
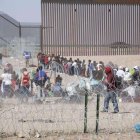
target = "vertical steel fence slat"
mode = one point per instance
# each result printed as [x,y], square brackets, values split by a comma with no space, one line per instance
[95,35]
[84,30]
[75,29]
[41,35]
[44,29]
[138,23]
[65,30]
[130,24]
[60,27]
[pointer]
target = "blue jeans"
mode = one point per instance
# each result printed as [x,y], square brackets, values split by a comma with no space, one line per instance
[111,95]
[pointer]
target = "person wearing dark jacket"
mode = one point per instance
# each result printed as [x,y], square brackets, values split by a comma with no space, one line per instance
[0,60]
[110,95]
[136,75]
[58,79]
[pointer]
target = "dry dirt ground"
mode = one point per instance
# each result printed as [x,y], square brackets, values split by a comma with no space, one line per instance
[57,119]
[61,120]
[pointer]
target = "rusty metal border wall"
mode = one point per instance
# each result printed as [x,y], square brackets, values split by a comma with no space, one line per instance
[82,28]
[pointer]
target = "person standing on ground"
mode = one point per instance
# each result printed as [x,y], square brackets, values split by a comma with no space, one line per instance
[32,76]
[6,88]
[0,60]
[25,79]
[110,83]
[83,68]
[27,56]
[41,78]
[89,69]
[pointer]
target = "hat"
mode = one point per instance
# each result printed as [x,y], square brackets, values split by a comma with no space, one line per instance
[107,70]
[136,67]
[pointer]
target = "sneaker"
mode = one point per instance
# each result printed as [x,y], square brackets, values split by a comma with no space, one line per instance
[104,110]
[115,112]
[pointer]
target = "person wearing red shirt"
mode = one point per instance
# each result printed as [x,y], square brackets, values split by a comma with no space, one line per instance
[110,95]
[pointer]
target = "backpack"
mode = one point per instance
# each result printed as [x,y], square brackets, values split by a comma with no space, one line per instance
[132,71]
[25,79]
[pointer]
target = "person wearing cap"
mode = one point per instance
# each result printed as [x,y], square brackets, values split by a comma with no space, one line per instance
[110,95]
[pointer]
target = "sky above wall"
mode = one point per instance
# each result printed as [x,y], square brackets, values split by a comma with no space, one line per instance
[22,10]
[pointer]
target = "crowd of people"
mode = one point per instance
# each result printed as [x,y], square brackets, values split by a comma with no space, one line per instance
[113,76]
[108,73]
[81,68]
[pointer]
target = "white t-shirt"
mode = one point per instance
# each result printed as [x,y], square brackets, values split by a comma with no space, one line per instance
[74,64]
[127,76]
[120,73]
[6,78]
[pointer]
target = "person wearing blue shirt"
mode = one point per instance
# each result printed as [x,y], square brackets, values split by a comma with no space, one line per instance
[41,76]
[40,79]
[27,56]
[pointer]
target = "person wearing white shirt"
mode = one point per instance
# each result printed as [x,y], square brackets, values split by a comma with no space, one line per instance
[127,76]
[6,78]
[120,72]
[75,68]
[74,64]
[6,83]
